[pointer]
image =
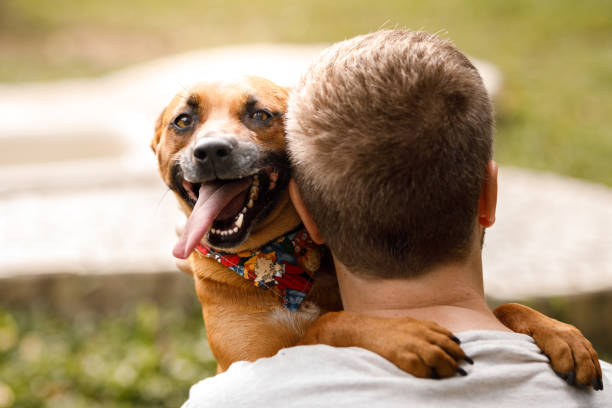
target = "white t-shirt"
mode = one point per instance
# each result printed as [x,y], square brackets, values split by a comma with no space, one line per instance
[509,371]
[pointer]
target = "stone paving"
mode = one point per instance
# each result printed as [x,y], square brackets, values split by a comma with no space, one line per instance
[552,237]
[79,192]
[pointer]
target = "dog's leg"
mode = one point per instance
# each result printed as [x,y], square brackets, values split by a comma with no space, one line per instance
[245,323]
[572,356]
[238,335]
[418,347]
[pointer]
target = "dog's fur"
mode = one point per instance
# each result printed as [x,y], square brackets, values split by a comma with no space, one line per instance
[246,323]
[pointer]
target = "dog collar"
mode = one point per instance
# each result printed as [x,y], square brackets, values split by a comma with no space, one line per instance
[285,265]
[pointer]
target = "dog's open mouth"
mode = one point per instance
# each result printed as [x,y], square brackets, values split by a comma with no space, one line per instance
[225,210]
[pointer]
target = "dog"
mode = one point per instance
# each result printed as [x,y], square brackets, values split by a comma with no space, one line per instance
[262,283]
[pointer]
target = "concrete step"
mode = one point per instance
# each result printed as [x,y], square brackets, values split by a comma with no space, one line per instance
[79,192]
[551,236]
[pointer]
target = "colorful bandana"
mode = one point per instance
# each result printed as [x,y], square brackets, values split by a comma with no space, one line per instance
[285,265]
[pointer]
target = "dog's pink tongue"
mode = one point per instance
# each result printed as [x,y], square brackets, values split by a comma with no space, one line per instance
[213,197]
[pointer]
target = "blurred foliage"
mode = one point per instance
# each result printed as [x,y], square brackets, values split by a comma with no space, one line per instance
[145,357]
[148,356]
[556,57]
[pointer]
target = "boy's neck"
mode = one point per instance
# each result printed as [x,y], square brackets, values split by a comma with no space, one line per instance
[451,295]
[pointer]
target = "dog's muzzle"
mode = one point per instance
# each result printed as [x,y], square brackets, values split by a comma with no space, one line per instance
[219,156]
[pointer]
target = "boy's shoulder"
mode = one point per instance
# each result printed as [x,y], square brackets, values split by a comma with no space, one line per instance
[315,375]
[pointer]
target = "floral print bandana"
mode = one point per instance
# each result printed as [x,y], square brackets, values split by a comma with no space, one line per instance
[285,265]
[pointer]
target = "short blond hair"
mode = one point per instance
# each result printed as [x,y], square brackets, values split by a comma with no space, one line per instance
[389,135]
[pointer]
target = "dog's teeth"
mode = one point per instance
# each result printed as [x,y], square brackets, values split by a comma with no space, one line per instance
[256,181]
[214,231]
[235,230]
[239,220]
[244,210]
[250,204]
[254,192]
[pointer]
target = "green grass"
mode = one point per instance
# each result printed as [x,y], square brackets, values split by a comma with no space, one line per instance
[556,57]
[149,356]
[146,357]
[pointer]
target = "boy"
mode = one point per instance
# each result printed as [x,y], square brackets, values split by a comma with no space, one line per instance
[390,136]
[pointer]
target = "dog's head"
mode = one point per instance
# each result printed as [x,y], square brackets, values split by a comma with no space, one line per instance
[221,149]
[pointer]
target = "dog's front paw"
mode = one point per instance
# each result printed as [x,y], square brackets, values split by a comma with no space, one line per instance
[421,348]
[571,355]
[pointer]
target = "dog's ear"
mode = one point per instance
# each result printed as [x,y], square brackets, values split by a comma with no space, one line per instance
[158,131]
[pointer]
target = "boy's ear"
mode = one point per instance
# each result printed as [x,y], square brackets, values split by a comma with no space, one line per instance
[300,207]
[158,131]
[487,203]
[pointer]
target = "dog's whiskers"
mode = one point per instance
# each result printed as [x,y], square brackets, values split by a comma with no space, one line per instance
[158,205]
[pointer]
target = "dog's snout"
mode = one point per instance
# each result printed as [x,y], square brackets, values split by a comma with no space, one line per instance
[213,148]
[217,155]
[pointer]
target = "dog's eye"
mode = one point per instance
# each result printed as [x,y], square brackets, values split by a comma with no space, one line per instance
[261,115]
[183,121]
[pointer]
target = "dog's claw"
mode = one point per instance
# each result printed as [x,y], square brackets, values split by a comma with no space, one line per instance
[469,360]
[561,375]
[456,340]
[597,384]
[571,378]
[435,375]
[461,371]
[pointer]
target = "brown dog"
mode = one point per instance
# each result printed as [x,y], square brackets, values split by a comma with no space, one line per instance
[221,149]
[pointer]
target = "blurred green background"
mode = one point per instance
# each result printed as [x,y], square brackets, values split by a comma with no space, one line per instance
[556,56]
[140,355]
[553,114]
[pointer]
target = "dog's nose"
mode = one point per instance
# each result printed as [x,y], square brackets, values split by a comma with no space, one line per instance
[213,148]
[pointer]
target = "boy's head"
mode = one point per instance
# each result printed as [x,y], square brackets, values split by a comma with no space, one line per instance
[390,134]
